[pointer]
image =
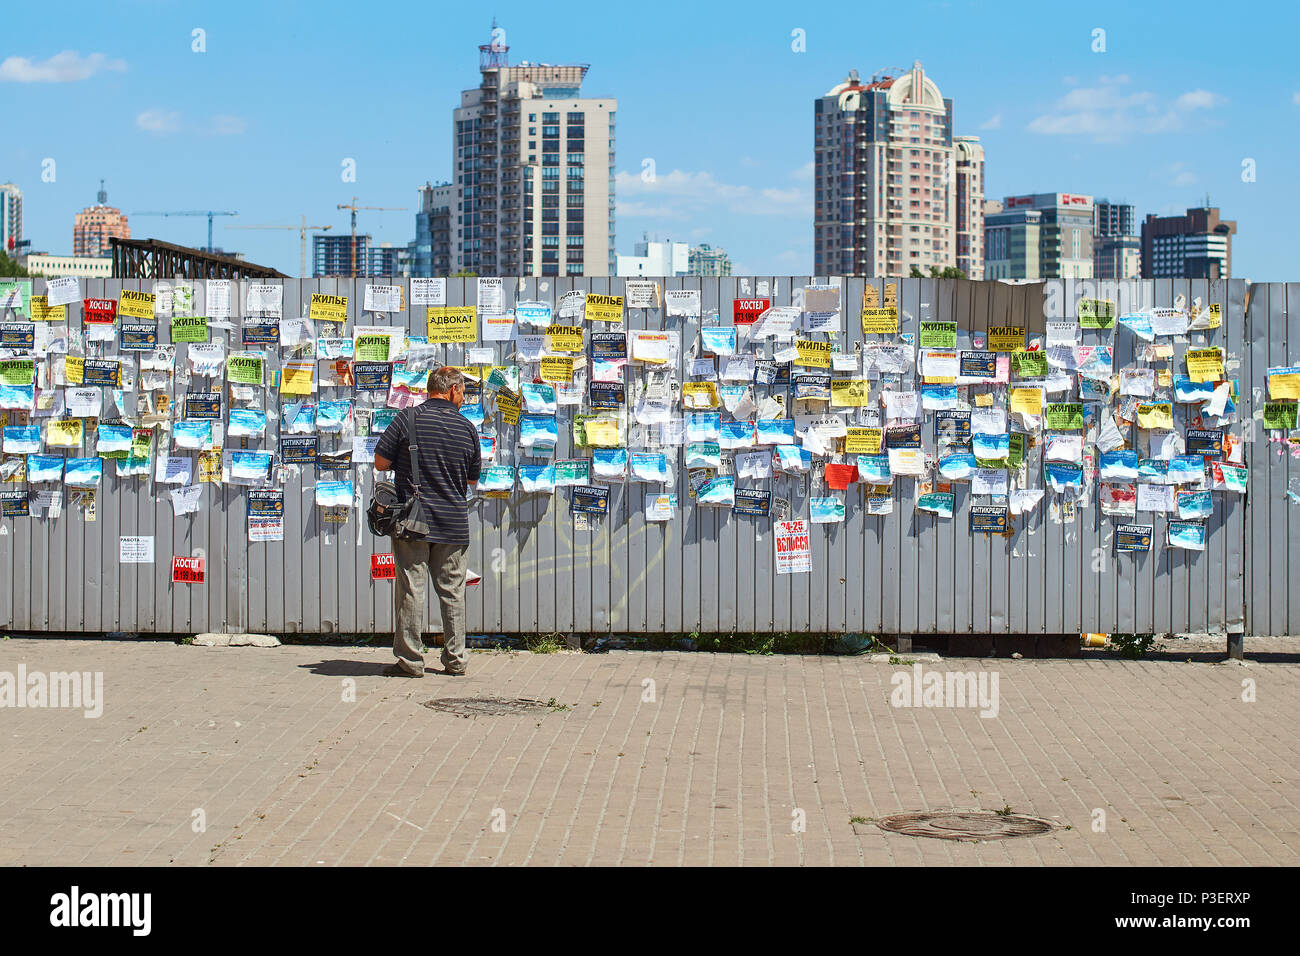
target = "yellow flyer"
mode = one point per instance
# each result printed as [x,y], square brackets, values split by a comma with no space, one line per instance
[508,406]
[328,308]
[1204,365]
[74,369]
[1284,383]
[813,354]
[296,377]
[850,393]
[1027,401]
[564,338]
[1156,415]
[64,433]
[699,395]
[863,441]
[42,311]
[603,308]
[452,323]
[602,432]
[135,305]
[557,370]
[210,467]
[877,320]
[1006,338]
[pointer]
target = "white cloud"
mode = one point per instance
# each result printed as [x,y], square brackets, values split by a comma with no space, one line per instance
[694,191]
[226,125]
[1180,175]
[158,121]
[1109,112]
[1295,97]
[749,161]
[66,67]
[805,172]
[993,122]
[1199,100]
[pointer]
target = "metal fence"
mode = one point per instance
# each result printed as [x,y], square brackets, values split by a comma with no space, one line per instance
[905,573]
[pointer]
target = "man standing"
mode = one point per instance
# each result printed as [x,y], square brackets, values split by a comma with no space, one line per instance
[448,450]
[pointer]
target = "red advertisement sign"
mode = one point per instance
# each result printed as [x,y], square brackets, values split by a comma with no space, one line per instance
[747,311]
[99,311]
[382,567]
[189,570]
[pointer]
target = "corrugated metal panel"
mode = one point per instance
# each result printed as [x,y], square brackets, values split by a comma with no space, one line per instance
[705,569]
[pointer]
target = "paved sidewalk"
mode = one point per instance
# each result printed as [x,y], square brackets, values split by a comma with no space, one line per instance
[262,748]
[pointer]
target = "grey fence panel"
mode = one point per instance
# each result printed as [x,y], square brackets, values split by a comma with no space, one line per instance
[705,569]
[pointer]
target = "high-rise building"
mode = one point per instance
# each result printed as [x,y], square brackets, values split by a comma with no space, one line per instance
[534,172]
[431,251]
[704,260]
[387,259]
[650,257]
[332,255]
[1197,245]
[1116,246]
[95,225]
[893,189]
[1040,236]
[11,218]
[970,205]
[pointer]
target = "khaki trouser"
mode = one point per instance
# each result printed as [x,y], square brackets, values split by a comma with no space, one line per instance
[445,563]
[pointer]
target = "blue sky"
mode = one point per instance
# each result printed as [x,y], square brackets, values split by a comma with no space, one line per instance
[261,122]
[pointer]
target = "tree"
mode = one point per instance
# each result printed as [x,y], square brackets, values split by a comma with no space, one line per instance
[464,274]
[9,268]
[947,272]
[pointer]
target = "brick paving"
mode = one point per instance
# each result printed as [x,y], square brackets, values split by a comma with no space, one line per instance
[247,756]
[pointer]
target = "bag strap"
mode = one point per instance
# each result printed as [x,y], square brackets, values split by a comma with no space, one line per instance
[413,449]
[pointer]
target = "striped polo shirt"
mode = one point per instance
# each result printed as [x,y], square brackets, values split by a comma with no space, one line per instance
[449,461]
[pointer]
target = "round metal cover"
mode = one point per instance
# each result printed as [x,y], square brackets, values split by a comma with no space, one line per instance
[965,825]
[486,706]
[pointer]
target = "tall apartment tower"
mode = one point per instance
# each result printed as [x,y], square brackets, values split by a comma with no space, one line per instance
[11,217]
[1197,245]
[894,188]
[94,225]
[1116,245]
[431,252]
[534,171]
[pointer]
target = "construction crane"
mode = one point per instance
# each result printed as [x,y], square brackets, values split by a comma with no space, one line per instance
[209,213]
[354,207]
[302,235]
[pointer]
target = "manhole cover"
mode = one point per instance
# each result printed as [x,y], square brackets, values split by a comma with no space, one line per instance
[965,825]
[486,706]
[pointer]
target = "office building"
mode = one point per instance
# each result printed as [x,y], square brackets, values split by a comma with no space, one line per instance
[431,250]
[650,257]
[894,189]
[95,225]
[1197,245]
[333,255]
[11,218]
[533,173]
[704,260]
[1039,236]
[1116,245]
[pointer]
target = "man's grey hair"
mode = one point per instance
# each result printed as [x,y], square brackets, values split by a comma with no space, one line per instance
[441,381]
